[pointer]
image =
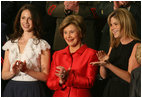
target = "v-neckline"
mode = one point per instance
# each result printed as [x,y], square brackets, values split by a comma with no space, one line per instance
[24,47]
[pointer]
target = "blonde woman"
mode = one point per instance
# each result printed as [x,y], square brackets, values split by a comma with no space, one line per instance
[120,60]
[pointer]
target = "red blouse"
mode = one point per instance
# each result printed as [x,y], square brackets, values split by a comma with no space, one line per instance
[81,77]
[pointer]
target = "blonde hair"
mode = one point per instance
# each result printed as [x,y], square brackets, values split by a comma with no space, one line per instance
[127,23]
[138,54]
[75,20]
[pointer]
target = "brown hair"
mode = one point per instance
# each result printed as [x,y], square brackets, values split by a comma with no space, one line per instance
[75,20]
[18,31]
[127,23]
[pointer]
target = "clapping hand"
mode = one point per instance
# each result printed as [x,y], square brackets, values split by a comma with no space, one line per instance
[23,67]
[19,66]
[62,74]
[118,4]
[16,67]
[102,57]
[71,5]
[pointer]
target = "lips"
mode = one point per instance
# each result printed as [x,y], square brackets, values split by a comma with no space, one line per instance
[26,26]
[69,40]
[115,31]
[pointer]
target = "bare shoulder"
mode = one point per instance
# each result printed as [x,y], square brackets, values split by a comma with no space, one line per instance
[135,46]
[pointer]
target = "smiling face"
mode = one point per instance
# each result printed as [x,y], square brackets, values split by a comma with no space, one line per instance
[72,36]
[26,21]
[115,27]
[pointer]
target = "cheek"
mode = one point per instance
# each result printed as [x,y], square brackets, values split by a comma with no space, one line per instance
[78,37]
[31,22]
[64,36]
[32,26]
[21,21]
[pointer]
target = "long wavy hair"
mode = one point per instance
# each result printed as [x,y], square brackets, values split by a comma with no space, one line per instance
[127,25]
[37,28]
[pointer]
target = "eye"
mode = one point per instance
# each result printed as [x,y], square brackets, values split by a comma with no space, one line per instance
[23,17]
[71,31]
[65,32]
[30,18]
[115,24]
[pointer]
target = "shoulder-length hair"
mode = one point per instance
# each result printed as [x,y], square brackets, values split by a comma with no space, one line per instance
[127,25]
[76,20]
[37,28]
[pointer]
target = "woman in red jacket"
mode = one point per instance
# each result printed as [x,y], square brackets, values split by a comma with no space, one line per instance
[71,74]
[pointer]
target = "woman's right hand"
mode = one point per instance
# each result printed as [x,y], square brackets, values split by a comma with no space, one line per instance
[62,74]
[16,67]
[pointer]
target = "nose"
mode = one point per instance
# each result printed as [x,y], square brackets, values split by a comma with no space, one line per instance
[26,20]
[68,35]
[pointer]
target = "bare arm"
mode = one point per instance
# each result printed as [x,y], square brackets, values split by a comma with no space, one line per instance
[6,73]
[103,69]
[45,66]
[125,75]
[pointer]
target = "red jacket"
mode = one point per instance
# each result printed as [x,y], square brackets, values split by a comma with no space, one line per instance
[81,77]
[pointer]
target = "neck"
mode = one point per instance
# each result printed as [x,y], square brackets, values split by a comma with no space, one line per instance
[74,49]
[125,40]
[27,35]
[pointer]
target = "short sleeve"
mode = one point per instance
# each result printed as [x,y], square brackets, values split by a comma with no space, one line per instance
[44,45]
[7,45]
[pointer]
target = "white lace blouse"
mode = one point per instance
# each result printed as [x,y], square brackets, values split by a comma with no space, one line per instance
[31,54]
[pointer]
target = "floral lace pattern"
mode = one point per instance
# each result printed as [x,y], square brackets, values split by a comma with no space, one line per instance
[31,53]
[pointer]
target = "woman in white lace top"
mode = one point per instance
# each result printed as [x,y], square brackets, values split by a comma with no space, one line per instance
[27,57]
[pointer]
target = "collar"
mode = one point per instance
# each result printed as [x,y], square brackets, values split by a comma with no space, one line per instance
[79,51]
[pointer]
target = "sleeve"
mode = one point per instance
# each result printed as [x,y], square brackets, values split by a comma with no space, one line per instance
[79,81]
[53,80]
[55,8]
[44,45]
[85,9]
[7,45]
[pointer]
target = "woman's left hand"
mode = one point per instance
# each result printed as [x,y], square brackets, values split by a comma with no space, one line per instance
[23,67]
[102,56]
[103,59]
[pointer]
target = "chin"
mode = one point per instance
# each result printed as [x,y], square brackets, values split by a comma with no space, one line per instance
[70,45]
[74,45]
[116,36]
[28,30]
